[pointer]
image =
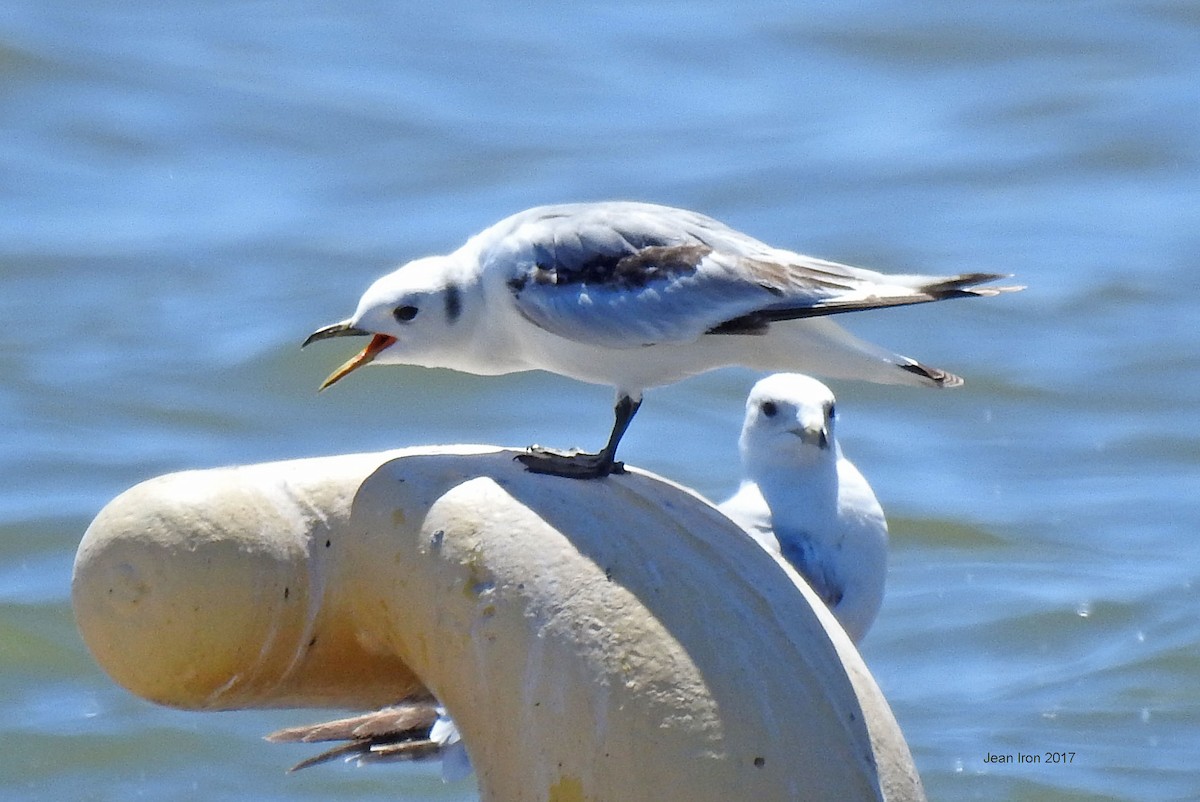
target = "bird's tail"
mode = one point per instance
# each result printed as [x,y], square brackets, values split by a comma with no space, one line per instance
[964,286]
[961,286]
[821,347]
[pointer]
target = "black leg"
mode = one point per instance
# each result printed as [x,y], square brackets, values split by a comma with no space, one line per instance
[623,413]
[579,465]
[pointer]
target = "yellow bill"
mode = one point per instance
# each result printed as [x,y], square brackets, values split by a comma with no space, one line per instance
[377,344]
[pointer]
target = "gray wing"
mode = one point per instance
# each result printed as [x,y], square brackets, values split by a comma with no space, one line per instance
[799,552]
[625,275]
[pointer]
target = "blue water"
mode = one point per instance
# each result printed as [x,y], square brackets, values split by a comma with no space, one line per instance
[188,189]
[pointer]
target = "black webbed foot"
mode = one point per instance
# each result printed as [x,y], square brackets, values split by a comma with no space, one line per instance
[573,464]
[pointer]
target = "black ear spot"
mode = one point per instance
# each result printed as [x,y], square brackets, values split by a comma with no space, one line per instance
[769,408]
[405,313]
[453,303]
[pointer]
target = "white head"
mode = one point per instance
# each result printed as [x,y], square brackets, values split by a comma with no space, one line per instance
[418,315]
[789,422]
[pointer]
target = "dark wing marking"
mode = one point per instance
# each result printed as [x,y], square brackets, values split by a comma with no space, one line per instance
[940,289]
[633,269]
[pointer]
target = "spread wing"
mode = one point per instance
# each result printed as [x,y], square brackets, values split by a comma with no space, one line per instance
[624,275]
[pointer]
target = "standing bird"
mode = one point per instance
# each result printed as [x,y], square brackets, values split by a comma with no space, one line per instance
[631,295]
[802,500]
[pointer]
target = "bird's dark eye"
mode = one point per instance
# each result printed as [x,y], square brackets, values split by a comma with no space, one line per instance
[405,313]
[769,409]
[831,411]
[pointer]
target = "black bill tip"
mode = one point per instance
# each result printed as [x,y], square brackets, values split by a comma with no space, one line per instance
[343,329]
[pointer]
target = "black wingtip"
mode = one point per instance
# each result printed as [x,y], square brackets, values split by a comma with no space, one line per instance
[933,376]
[966,286]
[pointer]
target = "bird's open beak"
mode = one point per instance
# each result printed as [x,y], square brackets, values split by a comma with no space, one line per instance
[344,329]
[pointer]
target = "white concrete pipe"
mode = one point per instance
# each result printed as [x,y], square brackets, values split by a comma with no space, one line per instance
[602,640]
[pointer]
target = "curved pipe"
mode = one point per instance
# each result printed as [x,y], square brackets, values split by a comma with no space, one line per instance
[613,639]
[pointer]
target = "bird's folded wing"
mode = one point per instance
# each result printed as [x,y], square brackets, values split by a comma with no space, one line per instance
[666,294]
[662,294]
[628,275]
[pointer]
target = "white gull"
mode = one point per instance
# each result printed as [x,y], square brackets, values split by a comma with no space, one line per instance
[632,295]
[802,500]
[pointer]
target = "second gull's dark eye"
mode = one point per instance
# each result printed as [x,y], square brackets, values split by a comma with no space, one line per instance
[769,409]
[405,313]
